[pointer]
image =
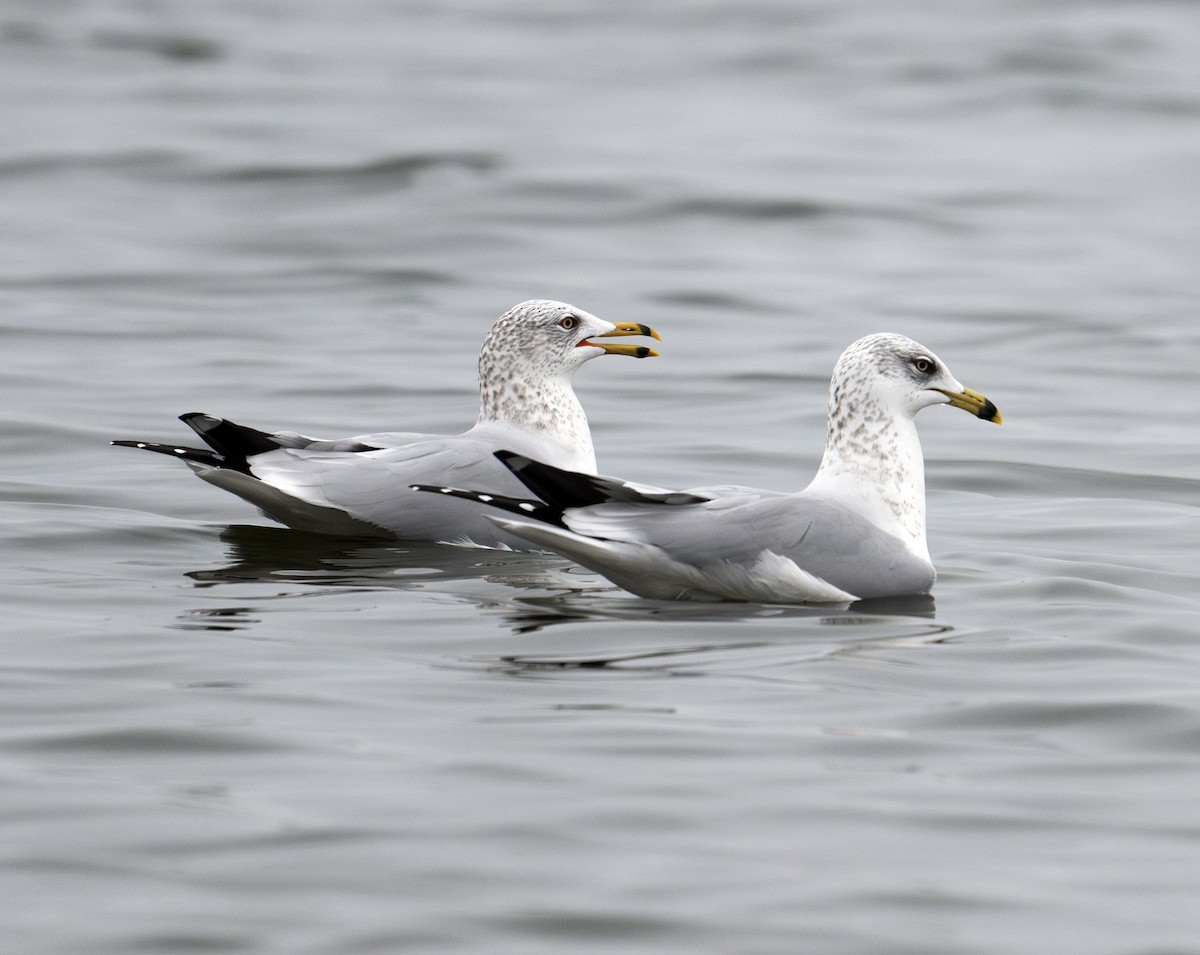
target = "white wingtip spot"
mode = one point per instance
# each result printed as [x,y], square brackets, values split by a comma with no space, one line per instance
[486,498]
[447,490]
[525,506]
[181,450]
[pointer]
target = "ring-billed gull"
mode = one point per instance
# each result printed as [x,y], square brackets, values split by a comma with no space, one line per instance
[857,531]
[359,485]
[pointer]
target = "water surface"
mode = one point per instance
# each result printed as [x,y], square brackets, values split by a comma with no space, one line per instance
[225,736]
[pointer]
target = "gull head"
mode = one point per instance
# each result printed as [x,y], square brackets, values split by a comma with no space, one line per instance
[541,340]
[891,375]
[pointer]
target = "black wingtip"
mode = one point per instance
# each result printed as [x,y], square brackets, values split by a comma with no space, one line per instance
[515,505]
[559,488]
[197,455]
[512,460]
[234,441]
[567,489]
[198,421]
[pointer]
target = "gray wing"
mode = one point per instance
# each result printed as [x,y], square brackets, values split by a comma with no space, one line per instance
[823,538]
[359,442]
[372,487]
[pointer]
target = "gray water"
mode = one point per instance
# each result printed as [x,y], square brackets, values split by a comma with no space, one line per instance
[218,735]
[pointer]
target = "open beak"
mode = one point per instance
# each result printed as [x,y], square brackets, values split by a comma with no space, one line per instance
[623,330]
[973,402]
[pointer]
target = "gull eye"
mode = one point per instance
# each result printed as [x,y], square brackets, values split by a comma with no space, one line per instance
[568,322]
[924,365]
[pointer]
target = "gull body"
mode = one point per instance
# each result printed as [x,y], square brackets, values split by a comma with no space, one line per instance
[359,485]
[856,531]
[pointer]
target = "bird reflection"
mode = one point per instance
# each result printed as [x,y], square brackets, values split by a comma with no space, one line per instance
[278,554]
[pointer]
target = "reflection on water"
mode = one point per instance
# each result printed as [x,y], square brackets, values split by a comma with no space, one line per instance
[803,645]
[277,554]
[542,611]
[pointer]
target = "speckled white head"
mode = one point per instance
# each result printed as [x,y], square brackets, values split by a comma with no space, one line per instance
[889,374]
[528,361]
[872,452]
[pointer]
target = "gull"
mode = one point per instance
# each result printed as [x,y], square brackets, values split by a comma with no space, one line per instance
[358,486]
[857,531]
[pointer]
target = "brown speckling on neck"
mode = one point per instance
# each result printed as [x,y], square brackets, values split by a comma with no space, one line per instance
[872,450]
[525,369]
